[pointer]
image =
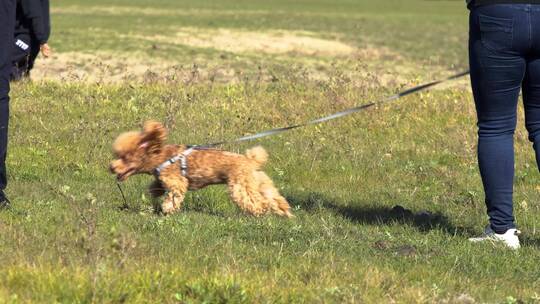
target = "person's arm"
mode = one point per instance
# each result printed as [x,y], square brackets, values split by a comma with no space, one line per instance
[32,10]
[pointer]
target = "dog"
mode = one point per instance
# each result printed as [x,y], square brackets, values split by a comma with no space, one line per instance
[179,168]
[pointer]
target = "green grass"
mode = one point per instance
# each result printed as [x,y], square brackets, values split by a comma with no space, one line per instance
[70,239]
[432,33]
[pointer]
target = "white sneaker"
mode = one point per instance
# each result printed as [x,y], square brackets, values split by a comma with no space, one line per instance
[509,238]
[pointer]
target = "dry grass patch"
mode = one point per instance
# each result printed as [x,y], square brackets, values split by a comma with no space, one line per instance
[243,41]
[95,67]
[134,11]
[313,58]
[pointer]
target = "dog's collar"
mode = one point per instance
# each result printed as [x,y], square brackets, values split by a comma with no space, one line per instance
[182,157]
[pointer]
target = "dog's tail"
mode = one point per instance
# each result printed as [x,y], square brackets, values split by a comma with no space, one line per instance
[258,154]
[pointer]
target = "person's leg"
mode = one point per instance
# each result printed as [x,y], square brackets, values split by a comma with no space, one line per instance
[7,24]
[531,87]
[531,102]
[497,35]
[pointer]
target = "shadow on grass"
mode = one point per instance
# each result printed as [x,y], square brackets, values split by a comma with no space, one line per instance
[366,213]
[529,242]
[369,214]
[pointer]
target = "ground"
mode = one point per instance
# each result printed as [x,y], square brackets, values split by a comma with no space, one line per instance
[384,199]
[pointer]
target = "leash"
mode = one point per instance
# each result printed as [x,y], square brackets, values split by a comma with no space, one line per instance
[336,115]
[123,196]
[340,114]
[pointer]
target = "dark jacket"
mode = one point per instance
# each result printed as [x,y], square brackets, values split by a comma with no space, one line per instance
[486,2]
[33,18]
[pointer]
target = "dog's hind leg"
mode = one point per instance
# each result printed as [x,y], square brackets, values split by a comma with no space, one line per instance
[245,193]
[277,203]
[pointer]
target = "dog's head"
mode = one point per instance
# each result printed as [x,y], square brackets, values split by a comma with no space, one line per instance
[138,152]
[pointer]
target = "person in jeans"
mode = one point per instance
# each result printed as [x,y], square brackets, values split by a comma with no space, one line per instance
[504,57]
[7,25]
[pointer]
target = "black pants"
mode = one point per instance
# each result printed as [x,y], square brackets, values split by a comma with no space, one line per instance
[7,25]
[25,51]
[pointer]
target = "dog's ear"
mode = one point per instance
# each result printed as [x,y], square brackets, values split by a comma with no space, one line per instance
[154,135]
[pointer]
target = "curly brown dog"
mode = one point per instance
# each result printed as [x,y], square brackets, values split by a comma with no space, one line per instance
[178,168]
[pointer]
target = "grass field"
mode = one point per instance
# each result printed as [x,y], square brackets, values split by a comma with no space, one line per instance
[384,200]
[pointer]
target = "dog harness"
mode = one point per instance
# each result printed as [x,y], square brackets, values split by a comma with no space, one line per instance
[182,157]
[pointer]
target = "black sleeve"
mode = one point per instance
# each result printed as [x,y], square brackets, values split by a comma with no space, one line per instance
[33,11]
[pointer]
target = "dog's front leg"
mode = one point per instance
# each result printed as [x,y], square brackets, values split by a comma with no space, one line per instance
[177,187]
[172,203]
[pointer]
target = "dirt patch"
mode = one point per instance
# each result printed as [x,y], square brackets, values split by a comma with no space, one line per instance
[125,67]
[111,67]
[243,41]
[96,67]
[119,11]
[285,48]
[298,54]
[151,11]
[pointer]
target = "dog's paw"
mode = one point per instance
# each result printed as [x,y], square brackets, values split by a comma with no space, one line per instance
[167,208]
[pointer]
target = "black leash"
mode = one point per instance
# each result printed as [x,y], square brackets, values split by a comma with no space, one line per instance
[340,114]
[123,196]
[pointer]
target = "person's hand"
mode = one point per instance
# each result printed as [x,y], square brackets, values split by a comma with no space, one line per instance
[45,50]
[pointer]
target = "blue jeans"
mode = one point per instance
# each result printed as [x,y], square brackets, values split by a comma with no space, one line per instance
[7,25]
[504,57]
